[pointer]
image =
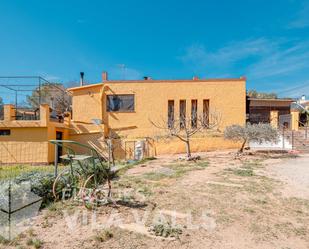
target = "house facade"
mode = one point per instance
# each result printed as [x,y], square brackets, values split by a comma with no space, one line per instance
[128,110]
[26,141]
[260,110]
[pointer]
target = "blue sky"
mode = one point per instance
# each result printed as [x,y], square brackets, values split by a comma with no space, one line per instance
[267,41]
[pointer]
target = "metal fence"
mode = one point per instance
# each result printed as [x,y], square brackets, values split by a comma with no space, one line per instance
[17,152]
[27,93]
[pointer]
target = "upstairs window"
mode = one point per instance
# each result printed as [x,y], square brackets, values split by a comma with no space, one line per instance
[120,103]
[5,132]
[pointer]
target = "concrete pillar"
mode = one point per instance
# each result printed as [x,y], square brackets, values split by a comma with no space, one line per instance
[294,120]
[9,113]
[274,118]
[44,114]
[67,119]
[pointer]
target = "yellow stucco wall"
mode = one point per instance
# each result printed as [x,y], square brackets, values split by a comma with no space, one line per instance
[226,97]
[29,145]
[52,129]
[86,104]
[28,141]
[24,145]
[124,148]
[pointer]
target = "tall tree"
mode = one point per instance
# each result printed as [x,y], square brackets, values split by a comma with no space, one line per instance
[261,95]
[53,94]
[251,133]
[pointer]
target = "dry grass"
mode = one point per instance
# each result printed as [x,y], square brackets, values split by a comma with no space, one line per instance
[255,213]
[12,171]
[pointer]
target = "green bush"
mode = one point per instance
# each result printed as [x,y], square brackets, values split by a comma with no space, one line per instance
[41,184]
[165,230]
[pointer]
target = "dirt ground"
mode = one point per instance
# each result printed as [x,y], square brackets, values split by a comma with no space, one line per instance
[294,174]
[259,200]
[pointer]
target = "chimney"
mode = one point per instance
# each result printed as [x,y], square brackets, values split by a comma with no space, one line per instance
[147,78]
[104,76]
[195,78]
[81,78]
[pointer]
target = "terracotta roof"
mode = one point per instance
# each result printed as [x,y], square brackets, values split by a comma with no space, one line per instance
[279,100]
[156,81]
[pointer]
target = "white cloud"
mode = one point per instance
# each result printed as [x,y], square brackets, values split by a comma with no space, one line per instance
[228,55]
[295,91]
[122,72]
[81,21]
[267,63]
[302,18]
[288,59]
[49,77]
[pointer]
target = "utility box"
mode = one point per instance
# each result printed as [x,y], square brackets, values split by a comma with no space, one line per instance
[139,150]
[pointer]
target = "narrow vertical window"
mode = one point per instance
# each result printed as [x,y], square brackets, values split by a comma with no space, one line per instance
[182,113]
[206,112]
[194,113]
[170,113]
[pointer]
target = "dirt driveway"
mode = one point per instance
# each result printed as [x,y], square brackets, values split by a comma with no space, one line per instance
[294,174]
[255,201]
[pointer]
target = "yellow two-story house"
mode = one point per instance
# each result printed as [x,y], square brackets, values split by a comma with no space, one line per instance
[129,108]
[126,111]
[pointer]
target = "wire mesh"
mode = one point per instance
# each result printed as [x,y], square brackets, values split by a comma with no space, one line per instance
[27,93]
[17,152]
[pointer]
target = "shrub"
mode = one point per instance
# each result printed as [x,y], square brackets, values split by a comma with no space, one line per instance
[41,184]
[251,133]
[36,243]
[165,230]
[103,236]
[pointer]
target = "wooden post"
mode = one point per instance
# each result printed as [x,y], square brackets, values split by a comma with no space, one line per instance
[293,139]
[56,160]
[283,138]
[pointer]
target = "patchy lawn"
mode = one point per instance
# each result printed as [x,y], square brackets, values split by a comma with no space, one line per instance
[217,202]
[11,171]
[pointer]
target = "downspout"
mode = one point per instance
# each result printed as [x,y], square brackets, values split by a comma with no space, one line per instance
[103,109]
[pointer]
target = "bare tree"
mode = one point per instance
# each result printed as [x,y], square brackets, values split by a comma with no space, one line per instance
[53,94]
[251,133]
[260,95]
[185,127]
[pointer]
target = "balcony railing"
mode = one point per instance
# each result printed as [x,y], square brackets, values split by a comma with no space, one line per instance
[26,114]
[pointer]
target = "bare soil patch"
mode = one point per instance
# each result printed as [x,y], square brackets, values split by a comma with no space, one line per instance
[256,215]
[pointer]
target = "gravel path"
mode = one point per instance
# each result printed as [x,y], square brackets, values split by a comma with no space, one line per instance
[294,173]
